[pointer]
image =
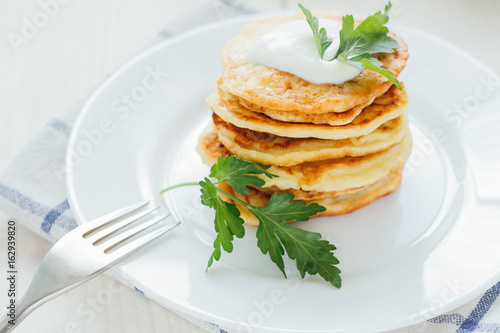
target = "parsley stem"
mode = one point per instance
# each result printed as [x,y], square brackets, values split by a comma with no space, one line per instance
[179,185]
[229,195]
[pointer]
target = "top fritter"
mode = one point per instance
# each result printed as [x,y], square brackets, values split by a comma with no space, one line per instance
[277,90]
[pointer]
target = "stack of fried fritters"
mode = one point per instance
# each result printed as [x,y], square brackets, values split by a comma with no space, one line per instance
[342,146]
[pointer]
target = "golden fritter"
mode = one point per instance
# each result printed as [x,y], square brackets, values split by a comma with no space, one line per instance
[334,206]
[268,148]
[330,118]
[277,90]
[389,106]
[323,176]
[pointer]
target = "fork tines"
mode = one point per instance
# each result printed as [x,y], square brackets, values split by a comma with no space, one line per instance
[112,231]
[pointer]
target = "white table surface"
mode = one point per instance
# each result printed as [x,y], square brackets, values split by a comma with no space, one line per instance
[84,41]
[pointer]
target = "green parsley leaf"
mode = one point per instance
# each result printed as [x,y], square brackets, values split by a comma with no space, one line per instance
[239,173]
[275,235]
[228,222]
[320,37]
[370,37]
[376,66]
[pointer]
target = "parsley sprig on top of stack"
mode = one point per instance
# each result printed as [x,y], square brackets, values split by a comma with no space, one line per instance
[358,44]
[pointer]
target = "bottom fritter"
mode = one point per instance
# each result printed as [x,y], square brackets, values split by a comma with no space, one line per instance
[334,206]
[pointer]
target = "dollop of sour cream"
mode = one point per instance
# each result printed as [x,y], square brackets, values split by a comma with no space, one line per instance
[290,47]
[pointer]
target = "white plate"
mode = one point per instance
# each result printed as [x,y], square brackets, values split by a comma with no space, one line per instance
[424,250]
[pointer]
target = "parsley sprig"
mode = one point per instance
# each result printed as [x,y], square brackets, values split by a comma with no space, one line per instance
[320,37]
[357,45]
[275,236]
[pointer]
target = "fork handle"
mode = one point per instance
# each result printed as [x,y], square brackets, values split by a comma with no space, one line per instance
[5,325]
[22,310]
[25,306]
[44,286]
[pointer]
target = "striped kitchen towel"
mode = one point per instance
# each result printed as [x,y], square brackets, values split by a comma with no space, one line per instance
[34,192]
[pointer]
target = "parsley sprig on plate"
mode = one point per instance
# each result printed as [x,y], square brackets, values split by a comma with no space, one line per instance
[358,44]
[275,236]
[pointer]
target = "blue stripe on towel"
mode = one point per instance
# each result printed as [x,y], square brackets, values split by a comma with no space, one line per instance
[66,223]
[60,126]
[217,327]
[454,318]
[485,303]
[23,201]
[165,33]
[49,215]
[53,215]
[236,4]
[139,291]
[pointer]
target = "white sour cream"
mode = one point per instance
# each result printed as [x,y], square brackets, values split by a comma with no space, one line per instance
[291,48]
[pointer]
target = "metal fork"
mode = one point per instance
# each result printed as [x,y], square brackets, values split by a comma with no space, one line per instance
[84,253]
